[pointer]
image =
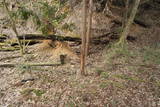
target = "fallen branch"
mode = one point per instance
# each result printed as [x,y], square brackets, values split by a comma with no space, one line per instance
[8,58]
[95,40]
[141,23]
[29,42]
[51,37]
[25,65]
[13,24]
[28,64]
[9,49]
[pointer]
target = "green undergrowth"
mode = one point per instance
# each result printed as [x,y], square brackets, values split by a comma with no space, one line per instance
[37,92]
[116,52]
[151,55]
[128,78]
[114,84]
[128,55]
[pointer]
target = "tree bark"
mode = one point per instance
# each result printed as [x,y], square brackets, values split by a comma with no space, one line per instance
[89,27]
[126,13]
[128,24]
[83,46]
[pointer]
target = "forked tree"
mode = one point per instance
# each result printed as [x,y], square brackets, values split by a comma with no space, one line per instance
[125,32]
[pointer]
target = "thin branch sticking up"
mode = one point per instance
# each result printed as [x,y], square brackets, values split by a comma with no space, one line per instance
[13,27]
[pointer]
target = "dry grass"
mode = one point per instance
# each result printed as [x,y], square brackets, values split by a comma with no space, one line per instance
[55,48]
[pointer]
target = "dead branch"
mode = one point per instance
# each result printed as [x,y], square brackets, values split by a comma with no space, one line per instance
[7,49]
[28,64]
[51,37]
[96,40]
[13,26]
[62,62]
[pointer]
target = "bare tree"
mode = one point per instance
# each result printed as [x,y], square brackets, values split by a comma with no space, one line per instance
[89,26]
[126,13]
[128,24]
[84,33]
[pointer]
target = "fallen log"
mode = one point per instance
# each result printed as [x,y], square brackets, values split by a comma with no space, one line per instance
[51,37]
[10,57]
[95,40]
[3,38]
[141,23]
[28,64]
[9,49]
[136,21]
[26,42]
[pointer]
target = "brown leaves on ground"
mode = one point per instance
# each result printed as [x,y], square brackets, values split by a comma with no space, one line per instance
[55,48]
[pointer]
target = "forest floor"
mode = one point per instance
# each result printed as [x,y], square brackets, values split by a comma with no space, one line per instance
[116,77]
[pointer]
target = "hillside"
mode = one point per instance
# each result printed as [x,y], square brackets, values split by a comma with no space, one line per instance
[117,77]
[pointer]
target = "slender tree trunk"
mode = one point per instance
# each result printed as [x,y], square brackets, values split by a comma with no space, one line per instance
[125,14]
[128,24]
[89,27]
[84,30]
[14,27]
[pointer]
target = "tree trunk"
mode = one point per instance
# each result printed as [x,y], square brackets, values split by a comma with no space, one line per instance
[84,30]
[128,24]
[89,27]
[125,14]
